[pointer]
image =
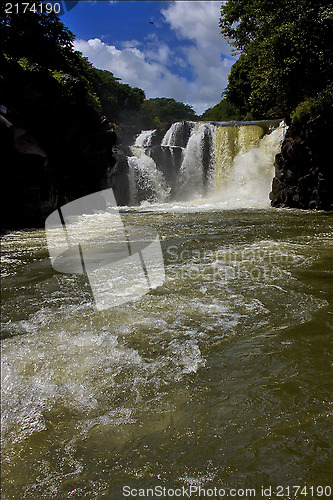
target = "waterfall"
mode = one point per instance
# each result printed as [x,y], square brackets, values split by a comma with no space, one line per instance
[249,181]
[178,134]
[197,162]
[146,181]
[230,142]
[231,163]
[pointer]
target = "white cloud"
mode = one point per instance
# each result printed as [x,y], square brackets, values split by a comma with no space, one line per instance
[159,52]
[197,21]
[135,68]
[149,67]
[130,43]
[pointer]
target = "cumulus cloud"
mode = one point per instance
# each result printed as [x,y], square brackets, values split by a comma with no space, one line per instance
[210,54]
[198,21]
[134,67]
[194,72]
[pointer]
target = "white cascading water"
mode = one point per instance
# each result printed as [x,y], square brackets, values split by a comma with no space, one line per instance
[143,172]
[230,142]
[228,165]
[249,180]
[174,135]
[192,172]
[169,139]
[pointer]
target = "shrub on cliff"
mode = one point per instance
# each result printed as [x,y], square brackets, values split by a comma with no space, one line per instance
[314,105]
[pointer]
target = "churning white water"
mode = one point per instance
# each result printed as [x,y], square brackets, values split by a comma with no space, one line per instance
[219,377]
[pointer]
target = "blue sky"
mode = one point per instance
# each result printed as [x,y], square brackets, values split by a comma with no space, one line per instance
[167,48]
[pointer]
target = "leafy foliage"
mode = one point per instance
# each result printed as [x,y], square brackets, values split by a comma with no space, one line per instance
[163,110]
[223,111]
[39,37]
[119,101]
[323,100]
[286,53]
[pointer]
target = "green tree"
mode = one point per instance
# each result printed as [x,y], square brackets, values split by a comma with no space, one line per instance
[38,41]
[223,111]
[119,101]
[164,110]
[286,53]
[34,38]
[39,37]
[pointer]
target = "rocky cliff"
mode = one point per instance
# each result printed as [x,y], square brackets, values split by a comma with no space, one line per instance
[55,146]
[304,168]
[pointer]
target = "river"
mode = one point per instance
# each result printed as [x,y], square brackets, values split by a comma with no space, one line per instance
[220,378]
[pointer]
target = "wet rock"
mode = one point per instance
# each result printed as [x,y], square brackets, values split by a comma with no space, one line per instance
[304,168]
[119,176]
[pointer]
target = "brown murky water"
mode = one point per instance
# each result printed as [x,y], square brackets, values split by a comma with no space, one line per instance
[221,378]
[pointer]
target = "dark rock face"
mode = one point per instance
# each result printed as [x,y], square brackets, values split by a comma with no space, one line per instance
[119,177]
[54,146]
[304,168]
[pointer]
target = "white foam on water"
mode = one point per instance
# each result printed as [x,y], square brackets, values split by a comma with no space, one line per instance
[49,365]
[107,368]
[63,358]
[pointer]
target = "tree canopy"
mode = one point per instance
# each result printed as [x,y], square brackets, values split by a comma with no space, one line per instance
[39,37]
[286,53]
[163,110]
[223,111]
